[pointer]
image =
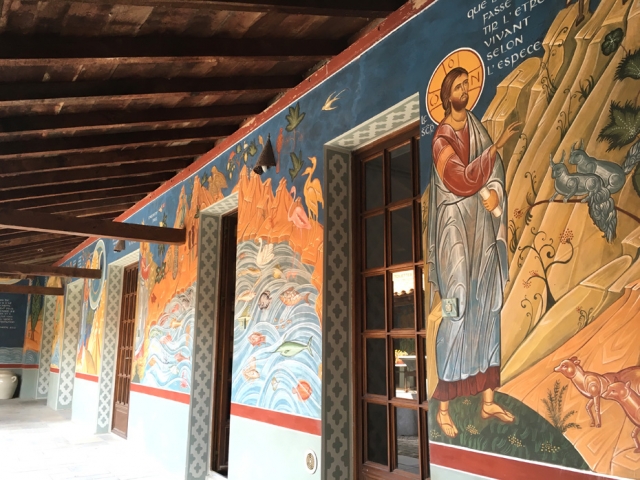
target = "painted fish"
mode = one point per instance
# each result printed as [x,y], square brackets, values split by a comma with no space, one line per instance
[253,271]
[166,339]
[303,390]
[184,383]
[291,349]
[256,339]
[274,383]
[250,372]
[291,297]
[277,271]
[180,357]
[265,300]
[246,296]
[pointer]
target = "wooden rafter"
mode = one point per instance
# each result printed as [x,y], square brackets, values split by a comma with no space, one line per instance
[80,198]
[45,270]
[31,290]
[55,223]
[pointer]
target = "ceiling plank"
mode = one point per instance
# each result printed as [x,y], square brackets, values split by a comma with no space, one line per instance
[103,185]
[80,208]
[26,238]
[66,272]
[89,121]
[50,146]
[55,223]
[22,50]
[101,159]
[24,92]
[332,8]
[63,241]
[84,174]
[31,290]
[20,257]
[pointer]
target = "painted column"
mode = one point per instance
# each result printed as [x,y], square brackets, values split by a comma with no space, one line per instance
[44,367]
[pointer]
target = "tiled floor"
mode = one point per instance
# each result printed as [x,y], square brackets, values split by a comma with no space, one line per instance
[37,443]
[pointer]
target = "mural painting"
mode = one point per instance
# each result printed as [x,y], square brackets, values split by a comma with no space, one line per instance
[532,240]
[33,335]
[58,328]
[89,352]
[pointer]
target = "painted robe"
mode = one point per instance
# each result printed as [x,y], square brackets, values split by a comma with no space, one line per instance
[467,258]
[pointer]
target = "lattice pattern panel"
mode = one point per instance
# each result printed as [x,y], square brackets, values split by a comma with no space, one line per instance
[109,348]
[72,315]
[336,317]
[392,119]
[45,346]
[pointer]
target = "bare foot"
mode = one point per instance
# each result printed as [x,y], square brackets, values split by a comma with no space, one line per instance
[496,411]
[446,424]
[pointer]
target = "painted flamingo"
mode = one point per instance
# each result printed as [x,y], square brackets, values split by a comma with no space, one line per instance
[297,215]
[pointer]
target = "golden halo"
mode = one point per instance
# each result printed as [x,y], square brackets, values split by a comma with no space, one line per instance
[466,58]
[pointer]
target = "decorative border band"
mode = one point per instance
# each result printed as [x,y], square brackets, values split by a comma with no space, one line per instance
[279,419]
[161,393]
[85,376]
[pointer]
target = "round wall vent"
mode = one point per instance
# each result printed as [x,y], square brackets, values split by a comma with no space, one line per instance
[311,461]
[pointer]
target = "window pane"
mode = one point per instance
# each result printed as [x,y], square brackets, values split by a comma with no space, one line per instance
[374,231]
[400,167]
[373,184]
[376,366]
[401,235]
[403,299]
[407,444]
[375,303]
[405,368]
[377,433]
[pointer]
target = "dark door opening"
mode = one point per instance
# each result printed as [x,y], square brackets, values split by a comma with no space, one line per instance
[120,422]
[224,346]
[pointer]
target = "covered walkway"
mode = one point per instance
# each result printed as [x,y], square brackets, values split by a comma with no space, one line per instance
[38,443]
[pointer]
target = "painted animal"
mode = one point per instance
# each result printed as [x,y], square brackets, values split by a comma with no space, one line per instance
[291,297]
[296,213]
[265,253]
[291,349]
[613,175]
[265,300]
[602,209]
[592,384]
[629,400]
[312,190]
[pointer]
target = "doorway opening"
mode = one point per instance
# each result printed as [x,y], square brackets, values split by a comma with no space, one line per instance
[120,423]
[223,347]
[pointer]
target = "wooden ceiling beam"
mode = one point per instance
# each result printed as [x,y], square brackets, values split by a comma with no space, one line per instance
[31,50]
[102,159]
[86,206]
[31,290]
[98,173]
[331,8]
[37,254]
[63,242]
[75,188]
[24,93]
[28,237]
[53,146]
[55,223]
[49,259]
[66,272]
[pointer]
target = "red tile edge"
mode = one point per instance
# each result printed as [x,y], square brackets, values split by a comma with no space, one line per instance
[285,420]
[22,366]
[368,40]
[161,393]
[54,370]
[499,467]
[85,376]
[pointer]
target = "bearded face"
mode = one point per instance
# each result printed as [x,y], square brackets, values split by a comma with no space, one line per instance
[459,104]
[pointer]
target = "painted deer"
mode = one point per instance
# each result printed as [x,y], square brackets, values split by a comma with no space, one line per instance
[629,400]
[592,384]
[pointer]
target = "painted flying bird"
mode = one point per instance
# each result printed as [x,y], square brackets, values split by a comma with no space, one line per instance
[328,104]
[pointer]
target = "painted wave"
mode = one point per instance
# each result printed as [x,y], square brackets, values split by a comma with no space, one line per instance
[10,355]
[31,357]
[279,376]
[168,364]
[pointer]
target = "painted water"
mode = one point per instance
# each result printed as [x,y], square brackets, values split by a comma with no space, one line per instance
[11,355]
[267,372]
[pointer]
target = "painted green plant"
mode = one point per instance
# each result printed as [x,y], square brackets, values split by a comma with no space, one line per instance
[612,41]
[554,406]
[529,437]
[36,309]
[623,126]
[297,163]
[586,88]
[294,118]
[629,66]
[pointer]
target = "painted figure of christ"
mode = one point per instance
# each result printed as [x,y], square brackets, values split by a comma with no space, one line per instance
[467,252]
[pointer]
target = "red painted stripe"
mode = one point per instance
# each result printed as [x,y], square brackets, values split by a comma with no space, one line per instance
[387,26]
[285,420]
[18,365]
[86,376]
[501,468]
[161,393]
[54,370]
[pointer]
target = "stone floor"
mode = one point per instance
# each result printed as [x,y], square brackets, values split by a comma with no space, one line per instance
[37,443]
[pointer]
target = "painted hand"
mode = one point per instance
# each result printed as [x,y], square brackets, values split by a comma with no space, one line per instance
[492,201]
[509,132]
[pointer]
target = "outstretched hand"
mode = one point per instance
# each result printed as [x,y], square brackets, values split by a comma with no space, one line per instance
[509,132]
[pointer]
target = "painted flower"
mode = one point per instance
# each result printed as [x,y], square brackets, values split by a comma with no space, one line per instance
[579,309]
[526,283]
[517,213]
[566,236]
[534,273]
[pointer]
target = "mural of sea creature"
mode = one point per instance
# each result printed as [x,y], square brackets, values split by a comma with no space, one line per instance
[629,400]
[277,272]
[265,253]
[274,383]
[256,339]
[291,349]
[166,339]
[246,296]
[291,297]
[302,390]
[250,372]
[180,357]
[254,272]
[244,317]
[331,99]
[265,300]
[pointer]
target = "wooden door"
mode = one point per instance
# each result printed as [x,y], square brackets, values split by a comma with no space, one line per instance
[125,351]
[224,346]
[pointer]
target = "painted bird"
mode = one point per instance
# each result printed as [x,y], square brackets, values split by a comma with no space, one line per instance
[331,99]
